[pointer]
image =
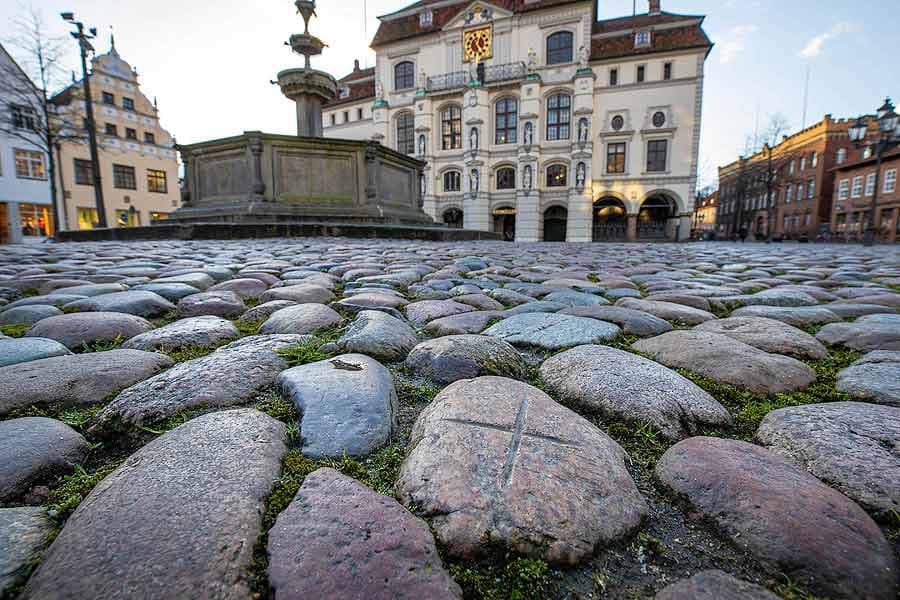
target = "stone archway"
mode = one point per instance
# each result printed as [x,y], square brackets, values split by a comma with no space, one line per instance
[505,222]
[610,221]
[653,217]
[555,223]
[453,218]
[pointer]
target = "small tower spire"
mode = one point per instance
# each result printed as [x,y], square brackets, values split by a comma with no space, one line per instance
[112,41]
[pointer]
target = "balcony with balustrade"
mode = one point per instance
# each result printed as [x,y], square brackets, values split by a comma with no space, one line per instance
[493,74]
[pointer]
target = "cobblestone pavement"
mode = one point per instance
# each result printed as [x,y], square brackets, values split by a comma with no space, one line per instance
[336,418]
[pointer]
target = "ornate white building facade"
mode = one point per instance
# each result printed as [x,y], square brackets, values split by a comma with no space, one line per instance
[535,119]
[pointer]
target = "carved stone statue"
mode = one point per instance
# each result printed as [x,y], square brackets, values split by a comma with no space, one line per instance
[423,185]
[423,80]
[526,177]
[379,90]
[422,145]
[532,60]
[584,56]
[583,130]
[528,135]
[580,174]
[474,181]
[473,139]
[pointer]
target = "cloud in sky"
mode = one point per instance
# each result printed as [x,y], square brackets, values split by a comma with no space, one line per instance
[814,46]
[734,42]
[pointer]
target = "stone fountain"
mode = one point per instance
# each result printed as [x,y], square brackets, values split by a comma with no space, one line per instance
[262,185]
[308,88]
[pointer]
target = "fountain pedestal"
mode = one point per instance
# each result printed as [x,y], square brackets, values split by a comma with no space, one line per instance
[309,89]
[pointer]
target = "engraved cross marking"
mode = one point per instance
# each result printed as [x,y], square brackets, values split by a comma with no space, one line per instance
[518,432]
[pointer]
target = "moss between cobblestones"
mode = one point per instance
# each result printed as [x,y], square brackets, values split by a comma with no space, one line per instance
[510,579]
[311,349]
[246,328]
[191,353]
[76,417]
[72,489]
[100,345]
[166,319]
[15,331]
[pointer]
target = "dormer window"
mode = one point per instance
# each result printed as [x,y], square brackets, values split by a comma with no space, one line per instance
[344,93]
[641,38]
[426,18]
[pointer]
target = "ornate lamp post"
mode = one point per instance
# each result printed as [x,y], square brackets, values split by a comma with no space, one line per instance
[889,136]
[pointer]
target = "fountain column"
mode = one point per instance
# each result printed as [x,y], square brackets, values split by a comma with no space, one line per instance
[307,87]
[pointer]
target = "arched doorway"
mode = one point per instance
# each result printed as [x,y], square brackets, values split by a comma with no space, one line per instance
[610,220]
[505,223]
[654,216]
[453,218]
[555,221]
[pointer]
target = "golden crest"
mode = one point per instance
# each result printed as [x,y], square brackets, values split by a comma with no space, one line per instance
[478,44]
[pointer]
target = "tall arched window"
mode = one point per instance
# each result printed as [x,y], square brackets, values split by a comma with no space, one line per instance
[405,133]
[559,116]
[451,128]
[506,121]
[506,178]
[404,75]
[452,181]
[559,48]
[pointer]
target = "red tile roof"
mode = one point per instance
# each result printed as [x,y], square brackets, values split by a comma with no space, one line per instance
[361,83]
[662,40]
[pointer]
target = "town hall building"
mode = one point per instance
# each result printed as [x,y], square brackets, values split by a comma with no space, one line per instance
[535,119]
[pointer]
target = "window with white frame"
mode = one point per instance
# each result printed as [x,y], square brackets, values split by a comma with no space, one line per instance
[811,188]
[844,189]
[856,189]
[29,164]
[452,181]
[642,38]
[870,184]
[451,128]
[405,133]
[814,160]
[802,163]
[426,18]
[799,192]
[788,193]
[841,156]
[890,181]
[404,75]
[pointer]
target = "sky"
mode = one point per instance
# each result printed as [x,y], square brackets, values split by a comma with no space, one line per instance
[210,63]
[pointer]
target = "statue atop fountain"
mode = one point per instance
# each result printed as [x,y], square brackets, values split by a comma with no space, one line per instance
[307,87]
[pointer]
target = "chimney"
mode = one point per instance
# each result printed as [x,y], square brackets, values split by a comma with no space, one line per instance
[654,7]
[356,65]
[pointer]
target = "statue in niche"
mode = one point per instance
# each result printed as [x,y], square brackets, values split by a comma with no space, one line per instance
[528,135]
[583,130]
[422,145]
[473,139]
[532,60]
[580,174]
[526,178]
[423,80]
[583,56]
[474,181]
[379,90]
[423,185]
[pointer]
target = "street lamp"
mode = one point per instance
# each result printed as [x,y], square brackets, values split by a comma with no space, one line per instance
[889,128]
[84,47]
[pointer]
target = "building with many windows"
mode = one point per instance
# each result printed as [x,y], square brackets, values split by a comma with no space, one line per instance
[138,165]
[796,197]
[25,201]
[535,119]
[855,182]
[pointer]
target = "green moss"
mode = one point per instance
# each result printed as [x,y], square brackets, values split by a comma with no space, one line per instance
[643,442]
[192,353]
[72,489]
[164,425]
[80,416]
[274,404]
[246,328]
[169,317]
[101,345]
[16,331]
[791,590]
[252,302]
[411,392]
[624,342]
[516,579]
[311,350]
[70,310]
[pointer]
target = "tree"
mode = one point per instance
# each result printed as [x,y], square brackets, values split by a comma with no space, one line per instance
[762,173]
[27,113]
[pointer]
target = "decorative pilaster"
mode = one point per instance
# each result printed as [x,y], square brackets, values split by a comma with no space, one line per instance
[631,231]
